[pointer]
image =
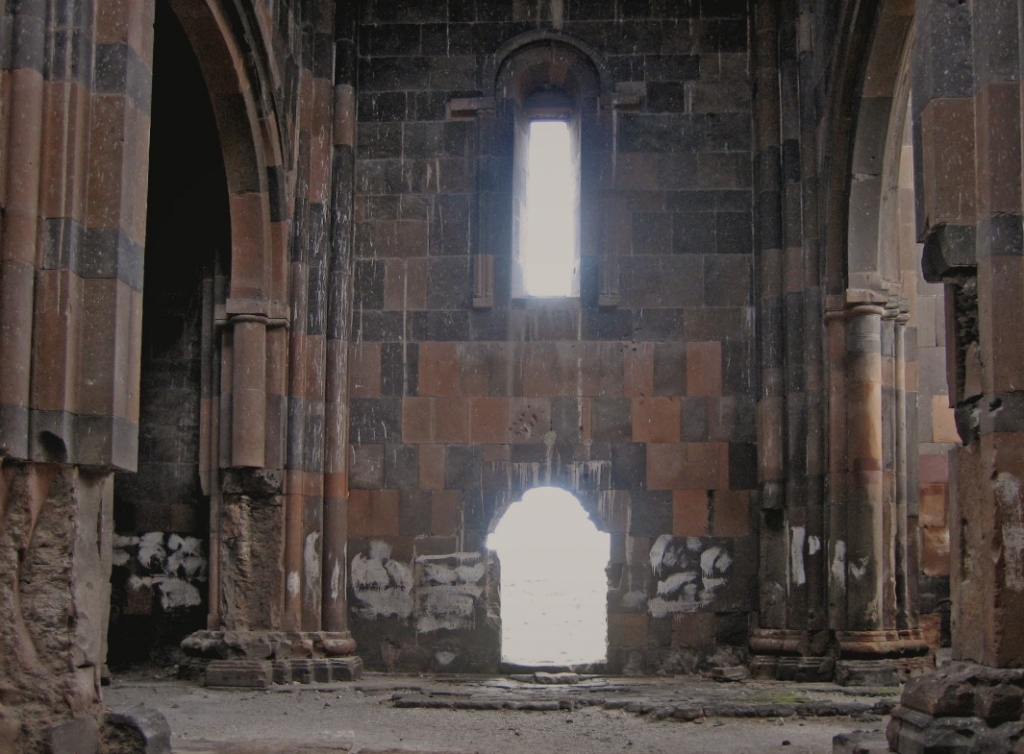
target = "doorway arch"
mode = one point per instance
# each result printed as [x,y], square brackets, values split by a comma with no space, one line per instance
[553,582]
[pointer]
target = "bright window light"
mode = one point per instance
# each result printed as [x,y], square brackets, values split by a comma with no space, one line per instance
[553,582]
[548,250]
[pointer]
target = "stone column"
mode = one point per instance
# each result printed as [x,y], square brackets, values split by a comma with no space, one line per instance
[868,534]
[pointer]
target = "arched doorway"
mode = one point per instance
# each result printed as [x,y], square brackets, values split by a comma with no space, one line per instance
[553,582]
[159,580]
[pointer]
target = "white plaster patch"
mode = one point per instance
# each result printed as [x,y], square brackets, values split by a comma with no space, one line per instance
[839,565]
[382,586]
[311,566]
[859,568]
[151,550]
[797,537]
[185,557]
[689,573]
[1007,489]
[449,587]
[176,593]
[444,659]
[336,580]
[293,583]
[813,545]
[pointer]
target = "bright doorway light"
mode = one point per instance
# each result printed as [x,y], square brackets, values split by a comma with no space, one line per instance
[553,583]
[548,251]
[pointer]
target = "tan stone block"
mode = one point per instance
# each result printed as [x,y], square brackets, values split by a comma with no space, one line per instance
[627,630]
[656,419]
[638,370]
[731,513]
[934,469]
[943,420]
[431,467]
[451,420]
[417,419]
[693,630]
[931,628]
[690,513]
[439,369]
[446,513]
[488,420]
[935,551]
[364,370]
[704,369]
[933,505]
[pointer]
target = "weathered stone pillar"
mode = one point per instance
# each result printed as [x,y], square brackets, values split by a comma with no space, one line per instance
[335,558]
[971,224]
[868,532]
[56,524]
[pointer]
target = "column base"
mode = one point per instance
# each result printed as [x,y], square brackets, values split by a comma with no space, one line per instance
[965,708]
[882,658]
[255,659]
[783,654]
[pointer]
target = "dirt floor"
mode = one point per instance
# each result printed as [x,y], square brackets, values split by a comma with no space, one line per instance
[362,718]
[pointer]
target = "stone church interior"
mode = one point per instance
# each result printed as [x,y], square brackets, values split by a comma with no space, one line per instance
[301,301]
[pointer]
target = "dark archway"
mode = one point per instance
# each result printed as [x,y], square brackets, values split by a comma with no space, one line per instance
[162,511]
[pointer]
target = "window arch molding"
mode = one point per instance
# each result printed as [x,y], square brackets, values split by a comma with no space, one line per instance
[540,76]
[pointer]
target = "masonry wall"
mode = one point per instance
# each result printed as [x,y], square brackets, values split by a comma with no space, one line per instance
[643,406]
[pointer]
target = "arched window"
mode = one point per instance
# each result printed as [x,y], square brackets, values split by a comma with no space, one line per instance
[553,88]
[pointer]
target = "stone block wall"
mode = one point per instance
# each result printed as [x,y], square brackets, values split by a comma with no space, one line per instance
[640,403]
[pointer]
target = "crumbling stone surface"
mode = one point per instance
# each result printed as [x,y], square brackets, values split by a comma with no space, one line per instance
[54,564]
[137,729]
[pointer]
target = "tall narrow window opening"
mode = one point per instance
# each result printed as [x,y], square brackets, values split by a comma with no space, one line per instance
[546,194]
[549,239]
[553,582]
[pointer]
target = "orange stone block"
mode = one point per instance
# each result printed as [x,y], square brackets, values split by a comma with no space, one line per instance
[488,420]
[451,420]
[439,369]
[656,419]
[704,369]
[690,513]
[731,513]
[933,505]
